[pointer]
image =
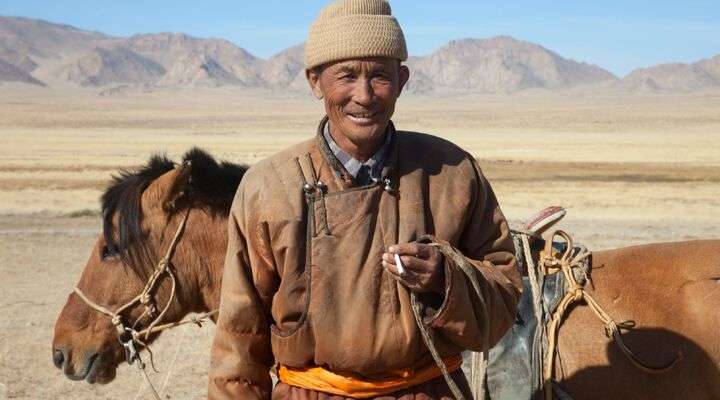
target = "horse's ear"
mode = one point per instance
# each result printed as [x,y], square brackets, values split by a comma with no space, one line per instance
[178,188]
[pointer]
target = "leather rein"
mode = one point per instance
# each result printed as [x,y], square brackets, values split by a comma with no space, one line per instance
[129,337]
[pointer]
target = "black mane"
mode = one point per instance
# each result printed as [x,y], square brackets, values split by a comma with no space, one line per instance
[210,186]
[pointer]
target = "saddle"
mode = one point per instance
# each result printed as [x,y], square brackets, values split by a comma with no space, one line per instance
[515,364]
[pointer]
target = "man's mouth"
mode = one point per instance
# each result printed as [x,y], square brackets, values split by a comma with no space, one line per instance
[362,118]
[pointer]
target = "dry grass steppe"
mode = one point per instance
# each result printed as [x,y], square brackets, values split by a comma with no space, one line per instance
[630,169]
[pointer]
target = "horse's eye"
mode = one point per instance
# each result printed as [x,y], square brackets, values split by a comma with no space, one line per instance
[105,253]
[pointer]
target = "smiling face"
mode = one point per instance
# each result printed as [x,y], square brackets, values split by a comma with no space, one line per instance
[359,97]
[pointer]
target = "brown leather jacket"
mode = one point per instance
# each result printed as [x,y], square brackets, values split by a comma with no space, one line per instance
[303,282]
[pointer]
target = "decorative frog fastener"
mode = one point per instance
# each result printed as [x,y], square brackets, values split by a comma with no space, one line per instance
[388,186]
[308,188]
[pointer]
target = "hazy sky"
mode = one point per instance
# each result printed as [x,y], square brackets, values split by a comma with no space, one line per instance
[616,35]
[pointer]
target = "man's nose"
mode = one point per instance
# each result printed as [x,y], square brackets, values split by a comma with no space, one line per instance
[363,92]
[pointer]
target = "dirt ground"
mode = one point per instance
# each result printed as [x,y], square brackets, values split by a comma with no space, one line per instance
[630,170]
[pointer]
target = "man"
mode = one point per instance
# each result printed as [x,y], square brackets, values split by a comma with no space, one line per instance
[311,279]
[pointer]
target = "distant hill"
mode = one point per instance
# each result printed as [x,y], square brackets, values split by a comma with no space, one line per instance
[286,68]
[35,47]
[43,53]
[675,77]
[102,67]
[503,64]
[711,66]
[189,60]
[41,39]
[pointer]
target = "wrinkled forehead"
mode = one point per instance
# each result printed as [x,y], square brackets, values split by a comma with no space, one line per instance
[364,65]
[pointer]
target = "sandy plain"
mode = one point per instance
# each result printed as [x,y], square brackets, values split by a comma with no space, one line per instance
[630,169]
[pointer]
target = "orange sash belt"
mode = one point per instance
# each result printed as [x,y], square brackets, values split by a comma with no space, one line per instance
[353,385]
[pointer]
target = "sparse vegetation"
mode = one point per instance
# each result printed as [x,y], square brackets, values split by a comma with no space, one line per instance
[629,170]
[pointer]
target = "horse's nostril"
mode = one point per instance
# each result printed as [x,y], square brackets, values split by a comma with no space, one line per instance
[58,358]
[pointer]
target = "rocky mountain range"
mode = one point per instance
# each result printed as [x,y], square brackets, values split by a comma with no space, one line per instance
[41,53]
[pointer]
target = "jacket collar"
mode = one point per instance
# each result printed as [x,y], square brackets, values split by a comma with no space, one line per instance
[390,162]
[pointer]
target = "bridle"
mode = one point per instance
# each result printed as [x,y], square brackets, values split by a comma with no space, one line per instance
[128,336]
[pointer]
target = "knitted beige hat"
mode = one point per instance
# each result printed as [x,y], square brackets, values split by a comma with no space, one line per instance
[352,29]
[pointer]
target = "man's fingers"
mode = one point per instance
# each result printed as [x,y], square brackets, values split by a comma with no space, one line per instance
[388,258]
[392,270]
[410,249]
[415,265]
[405,274]
[419,250]
[408,262]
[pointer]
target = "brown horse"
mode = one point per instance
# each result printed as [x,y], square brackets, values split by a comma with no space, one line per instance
[141,212]
[672,291]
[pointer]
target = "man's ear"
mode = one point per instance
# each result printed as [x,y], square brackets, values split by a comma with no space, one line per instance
[313,78]
[404,77]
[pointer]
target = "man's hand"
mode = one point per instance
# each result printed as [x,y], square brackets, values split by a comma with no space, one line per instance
[423,265]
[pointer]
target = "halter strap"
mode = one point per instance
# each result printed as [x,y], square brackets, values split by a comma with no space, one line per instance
[144,296]
[127,335]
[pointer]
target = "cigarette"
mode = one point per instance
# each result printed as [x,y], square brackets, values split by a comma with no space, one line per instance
[399,264]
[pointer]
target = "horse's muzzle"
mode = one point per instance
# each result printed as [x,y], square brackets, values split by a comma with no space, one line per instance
[88,371]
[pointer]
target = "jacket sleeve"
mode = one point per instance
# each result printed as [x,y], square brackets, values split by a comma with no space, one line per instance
[241,355]
[486,244]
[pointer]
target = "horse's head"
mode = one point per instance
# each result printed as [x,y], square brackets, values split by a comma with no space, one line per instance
[143,211]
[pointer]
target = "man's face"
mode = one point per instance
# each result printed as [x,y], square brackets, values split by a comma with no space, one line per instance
[359,95]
